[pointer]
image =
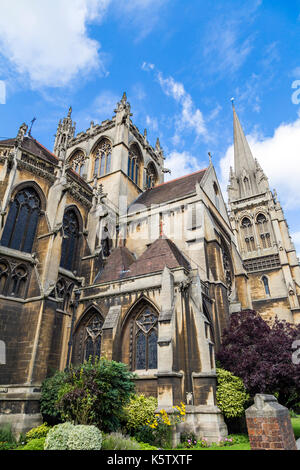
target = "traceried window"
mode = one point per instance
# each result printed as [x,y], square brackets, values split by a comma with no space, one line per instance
[263,231]
[102,163]
[92,339]
[78,163]
[248,235]
[146,340]
[13,279]
[151,176]
[21,223]
[70,240]
[4,274]
[134,164]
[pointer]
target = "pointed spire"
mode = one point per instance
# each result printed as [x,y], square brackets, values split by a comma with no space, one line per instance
[243,158]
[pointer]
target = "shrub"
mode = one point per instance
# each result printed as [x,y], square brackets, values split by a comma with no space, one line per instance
[231,394]
[84,437]
[38,432]
[139,411]
[96,394]
[35,444]
[49,396]
[117,441]
[163,424]
[146,446]
[57,437]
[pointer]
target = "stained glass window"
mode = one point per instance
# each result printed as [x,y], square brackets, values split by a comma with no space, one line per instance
[21,224]
[263,230]
[92,342]
[134,163]
[146,340]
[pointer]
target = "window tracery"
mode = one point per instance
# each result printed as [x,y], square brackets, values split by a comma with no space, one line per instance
[102,163]
[263,231]
[145,340]
[21,223]
[134,164]
[248,234]
[78,162]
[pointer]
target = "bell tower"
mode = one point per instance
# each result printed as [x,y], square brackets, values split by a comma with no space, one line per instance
[262,235]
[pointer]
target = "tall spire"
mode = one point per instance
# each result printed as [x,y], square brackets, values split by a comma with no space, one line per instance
[243,158]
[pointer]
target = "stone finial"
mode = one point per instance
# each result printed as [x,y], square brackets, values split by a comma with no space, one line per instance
[21,134]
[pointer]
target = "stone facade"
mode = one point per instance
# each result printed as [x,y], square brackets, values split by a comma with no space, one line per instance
[99,256]
[262,236]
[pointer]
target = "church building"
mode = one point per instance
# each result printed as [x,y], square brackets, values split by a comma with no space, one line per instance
[100,256]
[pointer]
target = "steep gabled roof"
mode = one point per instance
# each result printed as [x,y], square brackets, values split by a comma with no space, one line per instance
[163,252]
[169,191]
[116,265]
[33,146]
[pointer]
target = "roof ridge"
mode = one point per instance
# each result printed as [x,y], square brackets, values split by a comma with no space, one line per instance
[180,177]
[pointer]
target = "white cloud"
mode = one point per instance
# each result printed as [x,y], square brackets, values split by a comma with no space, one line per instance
[47,41]
[147,66]
[190,116]
[180,164]
[152,123]
[279,157]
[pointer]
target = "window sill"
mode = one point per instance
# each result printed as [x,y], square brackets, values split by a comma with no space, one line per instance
[21,255]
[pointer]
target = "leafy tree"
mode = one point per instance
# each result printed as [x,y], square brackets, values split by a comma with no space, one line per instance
[49,396]
[261,354]
[96,394]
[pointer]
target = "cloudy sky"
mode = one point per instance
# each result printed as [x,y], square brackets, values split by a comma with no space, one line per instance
[180,63]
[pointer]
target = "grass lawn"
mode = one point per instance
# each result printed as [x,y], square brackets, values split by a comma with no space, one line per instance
[296,427]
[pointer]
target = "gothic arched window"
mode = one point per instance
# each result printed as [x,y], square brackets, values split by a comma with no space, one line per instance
[146,340]
[78,163]
[4,274]
[102,163]
[92,339]
[151,176]
[263,231]
[134,165]
[70,240]
[18,281]
[266,284]
[21,223]
[248,234]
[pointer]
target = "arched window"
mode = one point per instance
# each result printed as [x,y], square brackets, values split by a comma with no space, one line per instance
[248,235]
[4,274]
[87,337]
[92,339]
[78,163]
[21,223]
[266,284]
[217,201]
[18,282]
[263,231]
[70,240]
[151,176]
[247,185]
[134,165]
[146,340]
[102,163]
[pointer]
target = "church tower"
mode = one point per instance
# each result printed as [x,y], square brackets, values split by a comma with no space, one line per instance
[262,235]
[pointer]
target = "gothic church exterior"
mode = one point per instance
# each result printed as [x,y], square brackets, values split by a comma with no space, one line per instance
[98,256]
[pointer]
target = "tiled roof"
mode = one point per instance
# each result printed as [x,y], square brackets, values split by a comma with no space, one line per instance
[34,147]
[163,252]
[116,265]
[174,189]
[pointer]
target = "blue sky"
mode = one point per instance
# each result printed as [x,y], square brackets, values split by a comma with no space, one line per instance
[180,62]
